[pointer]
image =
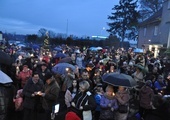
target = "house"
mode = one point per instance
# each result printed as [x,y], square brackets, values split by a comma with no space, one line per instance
[154,32]
[1,36]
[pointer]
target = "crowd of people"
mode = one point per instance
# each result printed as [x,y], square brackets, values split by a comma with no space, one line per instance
[80,91]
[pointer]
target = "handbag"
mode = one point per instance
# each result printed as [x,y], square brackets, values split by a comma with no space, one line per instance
[123,109]
[106,114]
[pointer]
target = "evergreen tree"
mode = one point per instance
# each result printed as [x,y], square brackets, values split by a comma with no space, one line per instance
[124,19]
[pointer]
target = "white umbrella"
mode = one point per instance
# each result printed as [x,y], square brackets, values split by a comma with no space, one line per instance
[4,78]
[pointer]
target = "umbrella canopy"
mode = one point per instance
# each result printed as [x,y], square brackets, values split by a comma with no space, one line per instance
[138,50]
[119,79]
[5,58]
[60,55]
[60,68]
[21,45]
[4,78]
[66,60]
[57,49]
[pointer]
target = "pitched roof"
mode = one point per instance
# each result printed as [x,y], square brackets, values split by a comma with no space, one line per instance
[155,18]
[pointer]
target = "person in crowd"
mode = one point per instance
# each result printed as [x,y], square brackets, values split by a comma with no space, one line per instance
[79,61]
[71,92]
[108,104]
[98,90]
[83,103]
[123,68]
[24,75]
[160,109]
[101,67]
[122,96]
[97,77]
[32,102]
[43,71]
[145,97]
[68,79]
[85,77]
[50,95]
[168,85]
[160,85]
[155,72]
[90,68]
[18,101]
[138,76]
[7,106]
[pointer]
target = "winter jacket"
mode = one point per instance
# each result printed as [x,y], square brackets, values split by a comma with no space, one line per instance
[69,95]
[106,110]
[105,100]
[79,62]
[29,89]
[51,95]
[123,97]
[87,101]
[24,76]
[145,96]
[6,101]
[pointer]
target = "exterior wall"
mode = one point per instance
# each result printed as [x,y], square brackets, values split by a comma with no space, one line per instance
[163,35]
[149,37]
[165,24]
[1,37]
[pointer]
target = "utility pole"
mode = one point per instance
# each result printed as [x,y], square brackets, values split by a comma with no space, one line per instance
[67,28]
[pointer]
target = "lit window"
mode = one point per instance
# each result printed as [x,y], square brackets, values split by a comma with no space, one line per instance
[156,31]
[144,32]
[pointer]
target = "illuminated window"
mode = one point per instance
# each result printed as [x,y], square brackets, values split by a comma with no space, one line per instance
[156,31]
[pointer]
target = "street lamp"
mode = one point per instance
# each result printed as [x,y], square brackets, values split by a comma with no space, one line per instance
[102,31]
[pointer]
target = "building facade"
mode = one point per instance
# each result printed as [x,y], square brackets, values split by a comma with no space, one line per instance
[154,32]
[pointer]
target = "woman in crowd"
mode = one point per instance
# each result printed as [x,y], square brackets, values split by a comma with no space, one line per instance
[71,92]
[108,104]
[145,96]
[24,75]
[122,97]
[84,102]
[138,75]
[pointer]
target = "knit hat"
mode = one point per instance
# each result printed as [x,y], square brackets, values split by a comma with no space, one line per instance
[72,116]
[48,76]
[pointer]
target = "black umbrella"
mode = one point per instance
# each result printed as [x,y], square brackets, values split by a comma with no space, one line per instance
[119,79]
[5,58]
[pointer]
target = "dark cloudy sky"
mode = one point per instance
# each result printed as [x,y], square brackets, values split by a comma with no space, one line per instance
[84,17]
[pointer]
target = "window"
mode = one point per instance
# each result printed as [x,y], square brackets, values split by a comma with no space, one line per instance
[156,31]
[144,31]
